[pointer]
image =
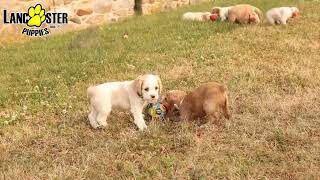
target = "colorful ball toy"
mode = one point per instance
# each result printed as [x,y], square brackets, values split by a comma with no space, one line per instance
[155,111]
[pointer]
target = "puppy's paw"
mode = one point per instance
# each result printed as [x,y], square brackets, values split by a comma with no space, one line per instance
[94,124]
[142,126]
[102,123]
[98,125]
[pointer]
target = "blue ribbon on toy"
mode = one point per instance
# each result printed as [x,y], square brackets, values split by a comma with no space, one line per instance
[156,110]
[159,111]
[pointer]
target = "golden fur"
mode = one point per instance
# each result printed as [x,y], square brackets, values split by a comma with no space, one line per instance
[245,14]
[208,100]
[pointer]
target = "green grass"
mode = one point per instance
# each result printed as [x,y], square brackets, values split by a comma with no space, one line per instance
[273,75]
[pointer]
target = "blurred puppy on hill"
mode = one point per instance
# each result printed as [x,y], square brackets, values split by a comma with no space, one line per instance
[196,16]
[281,15]
[244,14]
[208,100]
[222,12]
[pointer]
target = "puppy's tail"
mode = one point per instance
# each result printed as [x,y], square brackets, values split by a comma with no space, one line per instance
[187,16]
[90,91]
[225,108]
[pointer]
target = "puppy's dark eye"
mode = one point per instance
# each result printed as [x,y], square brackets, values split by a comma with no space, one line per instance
[146,89]
[156,88]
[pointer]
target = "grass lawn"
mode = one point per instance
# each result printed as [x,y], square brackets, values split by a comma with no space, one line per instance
[272,72]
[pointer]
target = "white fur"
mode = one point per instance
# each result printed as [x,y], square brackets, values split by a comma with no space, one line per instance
[223,12]
[123,95]
[280,15]
[196,16]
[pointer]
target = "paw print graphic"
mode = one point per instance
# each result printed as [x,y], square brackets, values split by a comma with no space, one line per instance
[37,16]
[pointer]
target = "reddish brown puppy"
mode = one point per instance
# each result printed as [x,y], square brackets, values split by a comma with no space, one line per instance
[208,100]
[171,101]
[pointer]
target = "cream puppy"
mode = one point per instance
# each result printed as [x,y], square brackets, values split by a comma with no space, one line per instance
[222,12]
[281,15]
[196,16]
[123,95]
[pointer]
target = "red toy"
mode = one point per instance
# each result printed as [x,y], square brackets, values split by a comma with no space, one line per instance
[214,17]
[294,14]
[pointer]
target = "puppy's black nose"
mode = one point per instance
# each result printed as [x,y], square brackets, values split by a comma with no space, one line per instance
[153,96]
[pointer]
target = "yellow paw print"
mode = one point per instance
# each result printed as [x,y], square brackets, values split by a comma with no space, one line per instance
[37,16]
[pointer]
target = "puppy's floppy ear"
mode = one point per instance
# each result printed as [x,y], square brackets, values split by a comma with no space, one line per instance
[215,10]
[176,106]
[138,83]
[159,83]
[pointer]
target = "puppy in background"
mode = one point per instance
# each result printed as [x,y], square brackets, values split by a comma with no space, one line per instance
[281,15]
[208,100]
[196,16]
[222,12]
[123,95]
[245,14]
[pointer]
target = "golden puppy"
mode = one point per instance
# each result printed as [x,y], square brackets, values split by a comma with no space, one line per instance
[208,100]
[244,14]
[171,101]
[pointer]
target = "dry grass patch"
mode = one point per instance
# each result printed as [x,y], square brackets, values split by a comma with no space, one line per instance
[179,72]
